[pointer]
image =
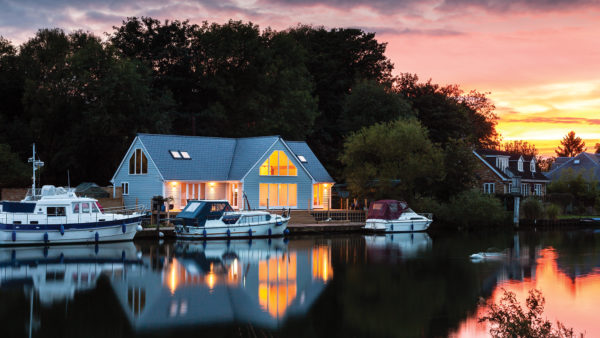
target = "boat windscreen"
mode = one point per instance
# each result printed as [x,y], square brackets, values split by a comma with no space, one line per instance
[18,207]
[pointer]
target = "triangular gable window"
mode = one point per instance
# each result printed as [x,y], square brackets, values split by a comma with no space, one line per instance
[278,164]
[138,163]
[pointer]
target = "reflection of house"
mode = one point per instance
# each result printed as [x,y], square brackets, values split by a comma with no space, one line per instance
[496,169]
[272,172]
[258,282]
[586,164]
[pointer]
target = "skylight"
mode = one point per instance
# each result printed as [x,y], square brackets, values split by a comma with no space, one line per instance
[302,158]
[185,155]
[175,154]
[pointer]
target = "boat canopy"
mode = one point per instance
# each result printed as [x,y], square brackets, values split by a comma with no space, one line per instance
[199,211]
[387,209]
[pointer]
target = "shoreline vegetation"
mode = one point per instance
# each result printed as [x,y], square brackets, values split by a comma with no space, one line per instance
[82,99]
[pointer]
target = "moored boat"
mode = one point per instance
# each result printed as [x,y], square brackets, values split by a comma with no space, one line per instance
[52,215]
[395,216]
[206,219]
[58,215]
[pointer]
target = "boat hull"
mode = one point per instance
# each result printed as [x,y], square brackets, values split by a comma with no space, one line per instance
[122,230]
[381,225]
[232,231]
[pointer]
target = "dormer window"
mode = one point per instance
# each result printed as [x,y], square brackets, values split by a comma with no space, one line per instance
[520,165]
[532,166]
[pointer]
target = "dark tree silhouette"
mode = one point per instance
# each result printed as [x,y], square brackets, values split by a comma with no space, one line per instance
[571,146]
[597,148]
[520,147]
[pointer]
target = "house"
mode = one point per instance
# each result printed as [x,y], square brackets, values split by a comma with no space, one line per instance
[588,164]
[497,168]
[271,172]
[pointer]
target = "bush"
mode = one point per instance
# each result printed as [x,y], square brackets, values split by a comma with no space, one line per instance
[509,319]
[469,209]
[552,211]
[532,208]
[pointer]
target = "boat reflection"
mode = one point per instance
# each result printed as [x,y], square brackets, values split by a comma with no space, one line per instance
[397,246]
[261,282]
[56,273]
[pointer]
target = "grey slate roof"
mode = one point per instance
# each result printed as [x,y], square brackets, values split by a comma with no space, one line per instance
[312,164]
[513,164]
[589,165]
[219,159]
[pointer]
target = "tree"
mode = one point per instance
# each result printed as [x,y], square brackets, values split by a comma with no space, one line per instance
[370,102]
[449,113]
[571,146]
[509,319]
[336,60]
[14,173]
[392,160]
[597,148]
[83,104]
[520,147]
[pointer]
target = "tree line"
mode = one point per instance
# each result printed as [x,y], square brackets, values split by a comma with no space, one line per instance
[82,99]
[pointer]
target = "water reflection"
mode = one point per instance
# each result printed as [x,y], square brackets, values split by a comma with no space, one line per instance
[568,278]
[409,285]
[223,282]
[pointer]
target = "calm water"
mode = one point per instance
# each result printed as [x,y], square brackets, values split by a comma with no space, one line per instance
[379,286]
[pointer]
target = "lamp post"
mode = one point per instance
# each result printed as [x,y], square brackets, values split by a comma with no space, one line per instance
[516,192]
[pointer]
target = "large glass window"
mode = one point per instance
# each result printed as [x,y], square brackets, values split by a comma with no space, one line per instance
[278,164]
[278,195]
[138,163]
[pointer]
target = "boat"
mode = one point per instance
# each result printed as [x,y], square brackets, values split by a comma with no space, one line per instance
[56,215]
[206,219]
[395,216]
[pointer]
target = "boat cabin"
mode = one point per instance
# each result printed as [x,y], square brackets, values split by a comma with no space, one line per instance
[387,209]
[197,212]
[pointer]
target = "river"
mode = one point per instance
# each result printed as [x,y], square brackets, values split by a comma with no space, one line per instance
[400,285]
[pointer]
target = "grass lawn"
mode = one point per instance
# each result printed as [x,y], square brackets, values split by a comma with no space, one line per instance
[576,216]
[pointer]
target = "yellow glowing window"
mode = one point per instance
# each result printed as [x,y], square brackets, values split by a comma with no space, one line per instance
[278,164]
[278,195]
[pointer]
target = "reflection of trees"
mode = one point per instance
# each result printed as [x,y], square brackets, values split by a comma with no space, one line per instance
[428,296]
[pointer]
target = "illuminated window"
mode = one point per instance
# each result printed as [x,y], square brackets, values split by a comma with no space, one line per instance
[175,154]
[277,195]
[138,163]
[278,164]
[302,159]
[185,155]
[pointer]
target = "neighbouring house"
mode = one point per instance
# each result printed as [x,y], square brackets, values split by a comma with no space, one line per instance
[271,172]
[588,164]
[497,168]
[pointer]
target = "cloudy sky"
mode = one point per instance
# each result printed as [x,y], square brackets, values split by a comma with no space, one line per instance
[539,59]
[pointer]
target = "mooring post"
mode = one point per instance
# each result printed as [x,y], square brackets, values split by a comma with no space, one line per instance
[516,213]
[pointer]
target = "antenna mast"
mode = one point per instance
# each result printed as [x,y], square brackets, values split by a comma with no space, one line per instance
[36,164]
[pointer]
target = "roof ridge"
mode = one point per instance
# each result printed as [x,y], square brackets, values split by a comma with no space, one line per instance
[231,160]
[200,136]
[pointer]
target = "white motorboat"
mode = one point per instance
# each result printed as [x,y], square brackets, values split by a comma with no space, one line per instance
[206,219]
[395,216]
[52,215]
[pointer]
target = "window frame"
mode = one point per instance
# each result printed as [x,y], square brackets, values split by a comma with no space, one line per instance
[489,188]
[279,166]
[142,162]
[124,192]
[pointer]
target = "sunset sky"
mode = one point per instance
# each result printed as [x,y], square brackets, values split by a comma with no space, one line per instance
[540,59]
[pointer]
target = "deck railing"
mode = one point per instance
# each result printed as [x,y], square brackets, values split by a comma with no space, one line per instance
[108,214]
[357,216]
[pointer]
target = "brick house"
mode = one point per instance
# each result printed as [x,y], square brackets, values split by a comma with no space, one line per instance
[496,169]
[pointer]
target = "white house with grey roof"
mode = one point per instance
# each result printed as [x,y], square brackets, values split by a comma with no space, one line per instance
[272,172]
